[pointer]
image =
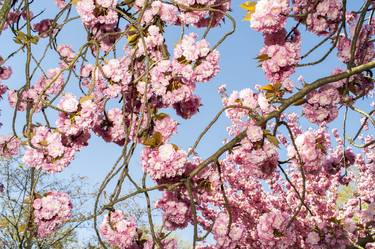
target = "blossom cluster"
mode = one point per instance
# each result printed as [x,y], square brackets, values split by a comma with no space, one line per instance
[273,231]
[321,17]
[44,28]
[9,146]
[225,238]
[97,12]
[48,84]
[281,59]
[311,148]
[51,211]
[174,82]
[321,105]
[47,151]
[270,16]
[181,14]
[118,230]
[176,211]
[100,17]
[365,50]
[165,162]
[5,71]
[76,116]
[281,53]
[261,161]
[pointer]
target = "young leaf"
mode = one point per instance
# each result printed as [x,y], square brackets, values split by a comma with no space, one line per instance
[153,141]
[268,88]
[133,35]
[273,140]
[262,57]
[161,116]
[20,38]
[250,8]
[85,98]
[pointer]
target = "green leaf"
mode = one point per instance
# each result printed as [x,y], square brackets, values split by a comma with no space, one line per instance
[22,38]
[262,57]
[153,141]
[345,193]
[273,139]
[161,116]
[34,39]
[250,9]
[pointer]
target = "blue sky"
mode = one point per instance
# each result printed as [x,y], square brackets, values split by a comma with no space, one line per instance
[238,70]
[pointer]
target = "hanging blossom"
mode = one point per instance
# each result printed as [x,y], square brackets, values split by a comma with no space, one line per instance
[321,106]
[110,81]
[48,84]
[246,97]
[174,81]
[14,16]
[97,12]
[48,152]
[116,71]
[182,15]
[168,85]
[260,160]
[270,16]
[5,71]
[176,211]
[51,211]
[44,28]
[339,158]
[312,147]
[188,50]
[77,116]
[167,12]
[3,89]
[280,60]
[9,146]
[256,104]
[188,108]
[320,17]
[358,84]
[365,164]
[100,18]
[273,232]
[118,230]
[365,50]
[203,18]
[112,128]
[165,162]
[154,41]
[166,126]
[60,3]
[223,237]
[66,54]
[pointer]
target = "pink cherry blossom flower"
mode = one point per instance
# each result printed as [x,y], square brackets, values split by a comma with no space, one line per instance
[270,16]
[118,230]
[51,211]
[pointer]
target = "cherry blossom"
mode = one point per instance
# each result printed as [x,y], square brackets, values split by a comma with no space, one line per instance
[118,230]
[51,211]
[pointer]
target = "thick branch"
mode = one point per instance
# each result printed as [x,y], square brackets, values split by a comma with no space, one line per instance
[285,104]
